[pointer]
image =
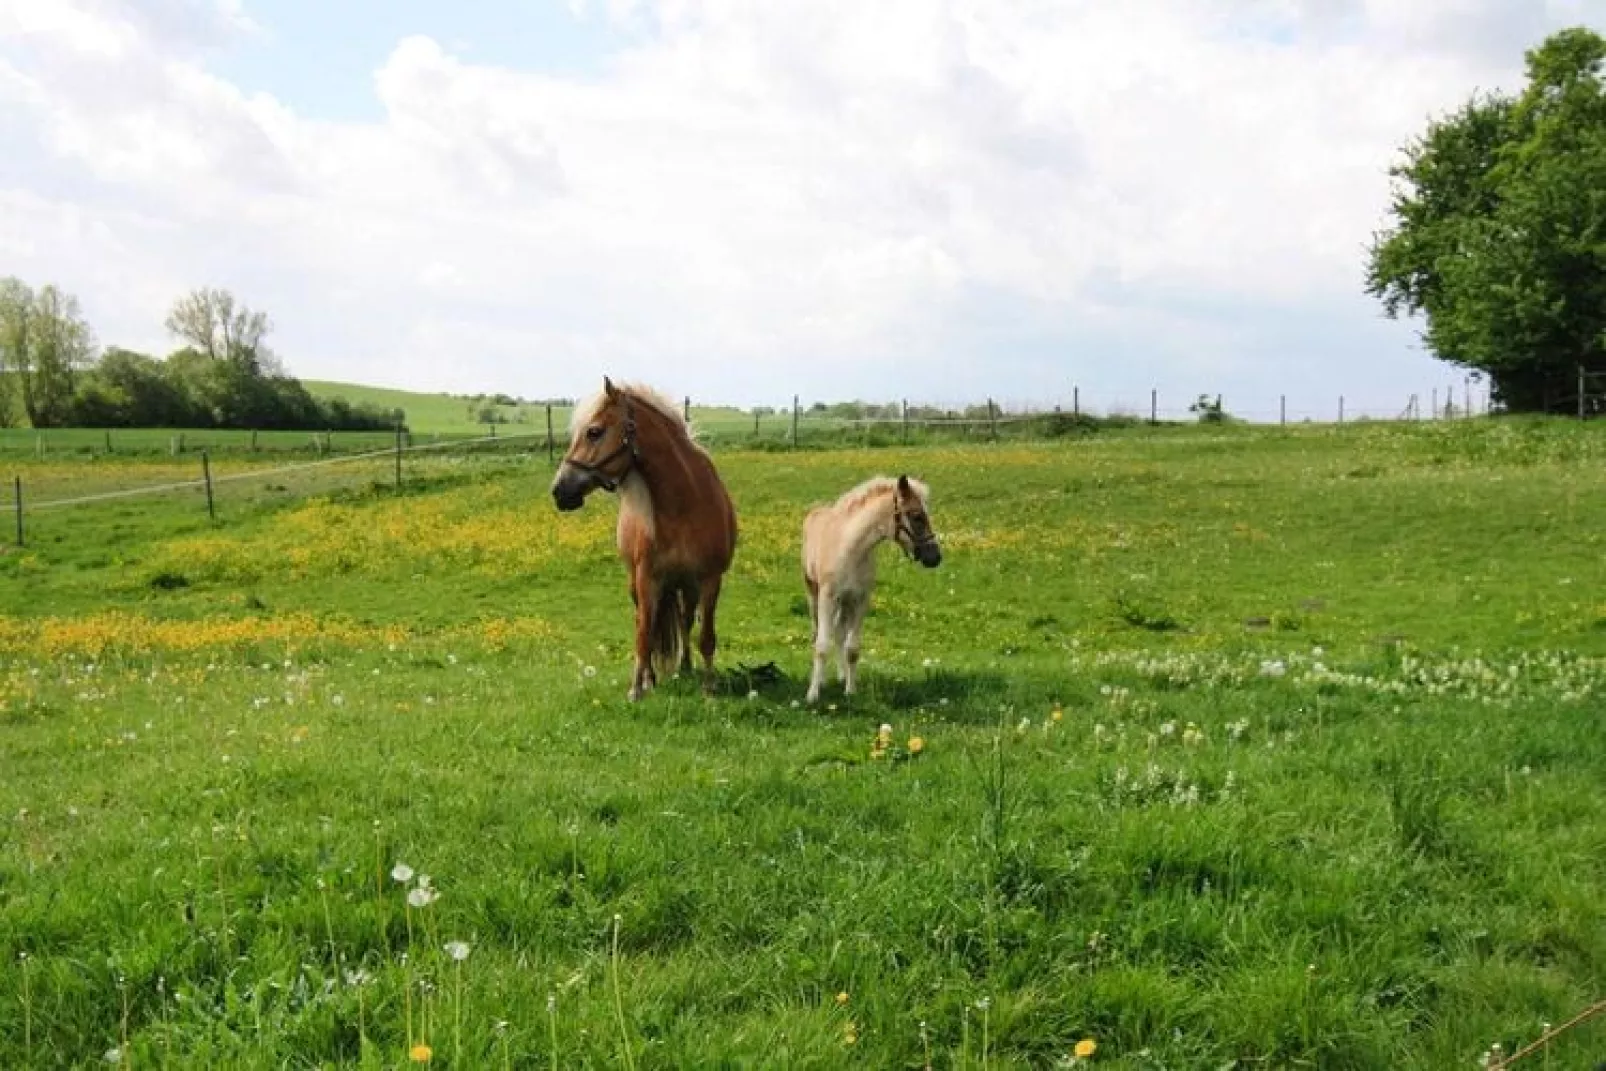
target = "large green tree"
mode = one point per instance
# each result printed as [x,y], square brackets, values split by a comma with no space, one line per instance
[1498,230]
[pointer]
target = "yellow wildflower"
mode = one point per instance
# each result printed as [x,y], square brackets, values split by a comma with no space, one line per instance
[1085,1048]
[1058,714]
[842,997]
[916,745]
[421,1053]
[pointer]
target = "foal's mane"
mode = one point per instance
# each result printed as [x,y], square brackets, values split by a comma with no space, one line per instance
[856,498]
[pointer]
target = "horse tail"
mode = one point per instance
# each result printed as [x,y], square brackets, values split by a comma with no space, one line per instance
[667,631]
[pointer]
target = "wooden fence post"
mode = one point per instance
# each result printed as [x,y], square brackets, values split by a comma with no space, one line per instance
[755,421]
[794,420]
[1341,409]
[906,421]
[398,455]
[17,491]
[206,474]
[1282,409]
[551,443]
[1076,401]
[108,440]
[253,440]
[1154,406]
[685,411]
[992,420]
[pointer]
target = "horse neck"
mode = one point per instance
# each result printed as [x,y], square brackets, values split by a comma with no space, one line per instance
[663,467]
[869,526]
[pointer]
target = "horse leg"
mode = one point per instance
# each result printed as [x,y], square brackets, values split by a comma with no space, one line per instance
[646,601]
[688,615]
[707,641]
[822,641]
[852,627]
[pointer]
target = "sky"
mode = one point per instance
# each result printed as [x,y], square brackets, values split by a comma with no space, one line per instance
[935,200]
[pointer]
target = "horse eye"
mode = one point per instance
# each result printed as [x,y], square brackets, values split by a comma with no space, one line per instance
[593,433]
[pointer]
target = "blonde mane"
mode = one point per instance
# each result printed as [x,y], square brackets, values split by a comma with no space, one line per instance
[856,498]
[656,400]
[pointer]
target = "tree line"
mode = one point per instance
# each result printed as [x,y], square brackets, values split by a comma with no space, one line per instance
[1497,236]
[52,373]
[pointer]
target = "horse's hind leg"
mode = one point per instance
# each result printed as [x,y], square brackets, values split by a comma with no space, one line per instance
[688,616]
[708,641]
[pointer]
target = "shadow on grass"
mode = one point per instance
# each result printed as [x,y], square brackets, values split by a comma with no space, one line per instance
[961,696]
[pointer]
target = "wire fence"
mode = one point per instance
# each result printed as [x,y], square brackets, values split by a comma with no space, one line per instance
[224,467]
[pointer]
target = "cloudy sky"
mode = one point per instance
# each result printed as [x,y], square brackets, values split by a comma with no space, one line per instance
[742,199]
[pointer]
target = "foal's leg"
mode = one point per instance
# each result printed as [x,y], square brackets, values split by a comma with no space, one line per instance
[852,627]
[709,597]
[825,611]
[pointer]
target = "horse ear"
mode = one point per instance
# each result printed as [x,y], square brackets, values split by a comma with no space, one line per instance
[609,388]
[903,484]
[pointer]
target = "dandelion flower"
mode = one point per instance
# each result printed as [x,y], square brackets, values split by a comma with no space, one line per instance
[842,997]
[458,950]
[401,872]
[422,896]
[1086,1048]
[916,745]
[1057,714]
[421,1053]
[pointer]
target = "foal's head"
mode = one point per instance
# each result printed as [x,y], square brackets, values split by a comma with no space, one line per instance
[602,448]
[912,522]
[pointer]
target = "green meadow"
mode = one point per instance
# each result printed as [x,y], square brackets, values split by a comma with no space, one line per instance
[1207,747]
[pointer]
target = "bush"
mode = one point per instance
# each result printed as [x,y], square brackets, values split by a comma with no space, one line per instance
[192,390]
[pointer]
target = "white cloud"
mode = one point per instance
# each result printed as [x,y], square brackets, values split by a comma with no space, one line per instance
[832,197]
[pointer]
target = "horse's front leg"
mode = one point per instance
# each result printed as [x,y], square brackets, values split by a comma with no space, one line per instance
[646,601]
[853,626]
[823,618]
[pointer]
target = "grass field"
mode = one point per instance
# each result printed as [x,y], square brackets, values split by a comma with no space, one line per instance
[1236,748]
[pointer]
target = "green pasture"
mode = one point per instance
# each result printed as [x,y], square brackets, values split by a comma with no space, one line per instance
[1207,747]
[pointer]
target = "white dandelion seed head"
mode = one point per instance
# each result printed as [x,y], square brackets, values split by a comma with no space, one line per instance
[458,950]
[401,872]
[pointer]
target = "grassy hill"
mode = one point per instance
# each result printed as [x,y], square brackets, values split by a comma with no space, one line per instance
[440,413]
[456,414]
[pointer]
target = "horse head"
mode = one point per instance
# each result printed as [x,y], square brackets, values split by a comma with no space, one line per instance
[602,448]
[912,526]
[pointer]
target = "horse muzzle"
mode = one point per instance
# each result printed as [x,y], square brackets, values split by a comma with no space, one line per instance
[929,555]
[570,487]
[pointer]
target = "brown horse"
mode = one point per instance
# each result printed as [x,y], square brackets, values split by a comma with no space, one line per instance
[677,527]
